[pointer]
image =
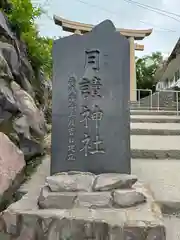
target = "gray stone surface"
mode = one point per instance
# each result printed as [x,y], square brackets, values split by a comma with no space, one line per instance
[94,200]
[37,180]
[172,224]
[20,116]
[155,147]
[76,182]
[155,143]
[163,178]
[154,119]
[98,224]
[110,181]
[155,129]
[153,112]
[164,181]
[64,200]
[92,215]
[12,166]
[128,198]
[96,73]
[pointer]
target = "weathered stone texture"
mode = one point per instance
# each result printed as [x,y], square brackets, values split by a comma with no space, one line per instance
[12,164]
[109,181]
[72,182]
[128,198]
[94,200]
[80,224]
[59,200]
[84,215]
[21,117]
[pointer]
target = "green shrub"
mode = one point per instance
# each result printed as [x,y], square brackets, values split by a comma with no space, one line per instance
[22,18]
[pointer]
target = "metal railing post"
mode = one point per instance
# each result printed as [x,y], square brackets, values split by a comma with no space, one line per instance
[177,102]
[139,97]
[157,106]
[158,101]
[151,99]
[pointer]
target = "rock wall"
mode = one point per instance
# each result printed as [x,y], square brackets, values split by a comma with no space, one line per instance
[24,102]
[23,97]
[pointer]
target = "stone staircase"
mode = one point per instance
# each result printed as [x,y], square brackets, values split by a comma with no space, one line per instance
[155,144]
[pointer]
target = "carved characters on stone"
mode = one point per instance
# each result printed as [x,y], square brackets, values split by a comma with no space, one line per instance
[72,105]
[90,87]
[90,83]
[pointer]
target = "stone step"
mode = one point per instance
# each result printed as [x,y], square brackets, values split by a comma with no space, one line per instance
[155,129]
[155,119]
[163,178]
[153,112]
[155,147]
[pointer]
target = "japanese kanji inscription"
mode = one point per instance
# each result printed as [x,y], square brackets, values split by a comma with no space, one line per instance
[72,118]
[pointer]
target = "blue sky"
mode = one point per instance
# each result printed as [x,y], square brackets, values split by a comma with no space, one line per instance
[123,15]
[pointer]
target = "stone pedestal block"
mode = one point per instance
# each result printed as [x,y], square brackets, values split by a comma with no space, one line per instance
[109,212]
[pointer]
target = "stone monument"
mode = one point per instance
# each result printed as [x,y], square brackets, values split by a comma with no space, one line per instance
[90,111]
[91,196]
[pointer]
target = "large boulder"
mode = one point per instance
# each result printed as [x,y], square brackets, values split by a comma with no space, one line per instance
[12,164]
[27,107]
[30,125]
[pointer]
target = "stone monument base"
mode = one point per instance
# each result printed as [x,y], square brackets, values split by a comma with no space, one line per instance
[84,206]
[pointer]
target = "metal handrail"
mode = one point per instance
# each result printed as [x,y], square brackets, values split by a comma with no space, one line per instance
[177,98]
[139,94]
[176,92]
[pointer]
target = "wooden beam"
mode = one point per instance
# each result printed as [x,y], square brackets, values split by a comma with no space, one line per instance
[71,26]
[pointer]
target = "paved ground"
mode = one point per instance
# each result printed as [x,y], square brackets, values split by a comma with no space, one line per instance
[172,224]
[162,176]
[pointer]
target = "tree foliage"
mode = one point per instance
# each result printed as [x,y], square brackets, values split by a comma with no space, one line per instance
[145,70]
[22,18]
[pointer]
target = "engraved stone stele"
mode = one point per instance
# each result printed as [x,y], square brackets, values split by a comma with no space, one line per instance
[90,111]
